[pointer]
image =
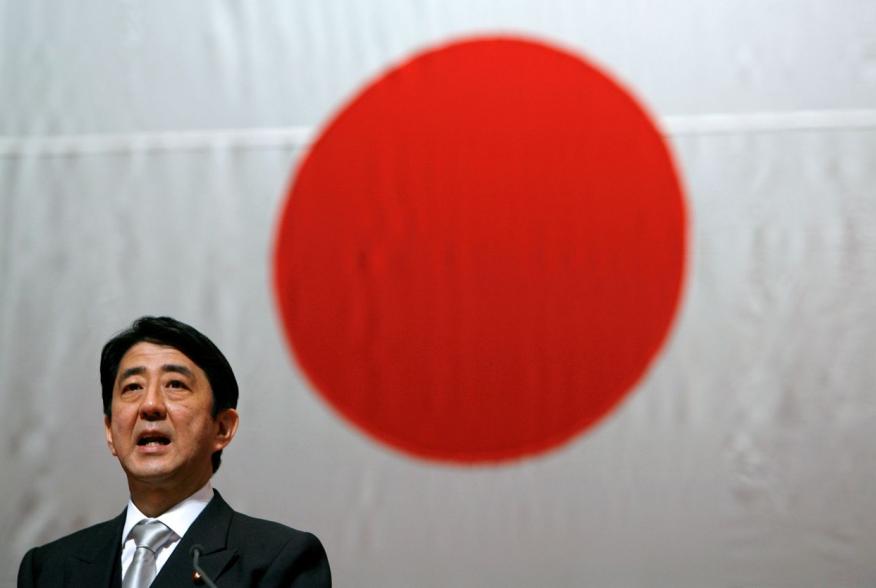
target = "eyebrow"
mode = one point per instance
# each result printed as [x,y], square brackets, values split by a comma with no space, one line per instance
[168,367]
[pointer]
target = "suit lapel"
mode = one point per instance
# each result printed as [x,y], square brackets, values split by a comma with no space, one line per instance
[95,563]
[210,530]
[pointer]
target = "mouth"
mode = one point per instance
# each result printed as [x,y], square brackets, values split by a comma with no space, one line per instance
[152,440]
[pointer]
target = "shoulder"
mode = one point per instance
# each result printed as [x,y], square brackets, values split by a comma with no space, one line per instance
[286,554]
[46,561]
[264,534]
[75,542]
[273,553]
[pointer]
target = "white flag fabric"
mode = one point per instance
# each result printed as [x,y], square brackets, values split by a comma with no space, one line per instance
[145,158]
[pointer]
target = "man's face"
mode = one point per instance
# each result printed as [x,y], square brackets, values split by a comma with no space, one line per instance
[161,429]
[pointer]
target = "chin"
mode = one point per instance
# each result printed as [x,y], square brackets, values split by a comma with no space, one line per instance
[149,473]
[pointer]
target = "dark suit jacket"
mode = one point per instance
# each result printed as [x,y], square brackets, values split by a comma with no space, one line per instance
[238,551]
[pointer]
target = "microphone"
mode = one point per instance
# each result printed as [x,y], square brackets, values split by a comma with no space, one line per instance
[199,576]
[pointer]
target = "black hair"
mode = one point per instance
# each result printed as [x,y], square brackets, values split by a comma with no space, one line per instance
[192,343]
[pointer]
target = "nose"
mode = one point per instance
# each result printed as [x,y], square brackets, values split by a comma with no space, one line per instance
[152,407]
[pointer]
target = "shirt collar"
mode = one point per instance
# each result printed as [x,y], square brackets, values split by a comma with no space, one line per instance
[179,518]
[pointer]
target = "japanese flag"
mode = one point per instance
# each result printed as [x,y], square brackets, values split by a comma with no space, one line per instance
[516,295]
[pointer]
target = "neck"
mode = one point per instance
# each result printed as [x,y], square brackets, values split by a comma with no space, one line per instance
[156,499]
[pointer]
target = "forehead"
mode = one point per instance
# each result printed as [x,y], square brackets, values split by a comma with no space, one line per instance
[153,356]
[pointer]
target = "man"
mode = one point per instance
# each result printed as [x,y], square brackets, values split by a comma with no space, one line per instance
[169,398]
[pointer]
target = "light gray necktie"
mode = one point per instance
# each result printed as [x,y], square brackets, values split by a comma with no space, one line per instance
[149,537]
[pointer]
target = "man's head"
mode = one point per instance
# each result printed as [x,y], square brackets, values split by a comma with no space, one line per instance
[182,357]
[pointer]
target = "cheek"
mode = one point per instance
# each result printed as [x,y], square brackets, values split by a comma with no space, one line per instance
[118,439]
[121,426]
[189,423]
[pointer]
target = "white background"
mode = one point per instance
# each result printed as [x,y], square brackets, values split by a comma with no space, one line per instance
[147,147]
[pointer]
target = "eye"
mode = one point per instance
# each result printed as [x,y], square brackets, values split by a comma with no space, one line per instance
[179,384]
[130,387]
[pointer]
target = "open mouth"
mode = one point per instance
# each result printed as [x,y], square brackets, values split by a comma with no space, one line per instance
[153,440]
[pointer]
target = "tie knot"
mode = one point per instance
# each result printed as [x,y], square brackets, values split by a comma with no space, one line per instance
[151,534]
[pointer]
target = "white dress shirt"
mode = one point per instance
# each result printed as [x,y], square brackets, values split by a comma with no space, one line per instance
[179,519]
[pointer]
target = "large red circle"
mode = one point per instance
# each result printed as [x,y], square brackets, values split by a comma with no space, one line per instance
[481,253]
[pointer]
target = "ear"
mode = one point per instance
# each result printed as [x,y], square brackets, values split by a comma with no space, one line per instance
[226,422]
[109,435]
